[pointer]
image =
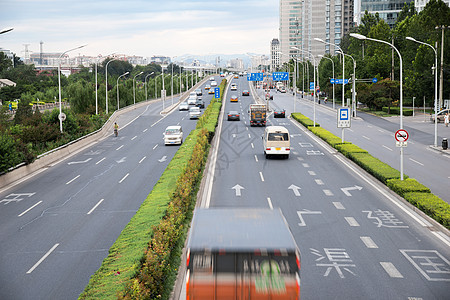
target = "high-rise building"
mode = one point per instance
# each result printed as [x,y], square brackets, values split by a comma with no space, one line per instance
[274,55]
[420,4]
[387,9]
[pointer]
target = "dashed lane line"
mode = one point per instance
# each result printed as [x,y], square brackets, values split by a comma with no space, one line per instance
[95,206]
[30,208]
[338,205]
[42,258]
[261,175]
[368,242]
[352,222]
[391,269]
[70,181]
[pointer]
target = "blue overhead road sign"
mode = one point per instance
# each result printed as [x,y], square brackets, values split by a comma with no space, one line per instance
[279,76]
[338,81]
[255,77]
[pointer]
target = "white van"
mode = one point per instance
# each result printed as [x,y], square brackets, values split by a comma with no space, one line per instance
[276,141]
[173,135]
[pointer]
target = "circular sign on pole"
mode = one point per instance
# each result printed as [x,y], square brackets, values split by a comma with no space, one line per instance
[374,80]
[401,135]
[62,116]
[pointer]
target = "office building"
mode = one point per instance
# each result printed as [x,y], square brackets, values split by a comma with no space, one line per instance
[420,4]
[274,55]
[388,10]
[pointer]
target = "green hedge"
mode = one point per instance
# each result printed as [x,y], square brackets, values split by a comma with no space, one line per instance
[402,187]
[327,136]
[374,166]
[396,111]
[432,205]
[348,148]
[305,121]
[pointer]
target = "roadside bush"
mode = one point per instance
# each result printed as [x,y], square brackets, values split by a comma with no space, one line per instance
[396,111]
[374,166]
[349,148]
[432,205]
[9,154]
[304,120]
[402,187]
[327,136]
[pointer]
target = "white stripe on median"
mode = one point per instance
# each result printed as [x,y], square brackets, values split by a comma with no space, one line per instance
[42,259]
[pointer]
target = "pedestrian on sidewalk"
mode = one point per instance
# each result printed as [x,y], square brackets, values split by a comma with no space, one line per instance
[446,120]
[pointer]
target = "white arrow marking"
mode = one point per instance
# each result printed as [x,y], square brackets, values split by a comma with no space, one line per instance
[121,160]
[164,158]
[352,188]
[238,189]
[306,212]
[79,162]
[295,189]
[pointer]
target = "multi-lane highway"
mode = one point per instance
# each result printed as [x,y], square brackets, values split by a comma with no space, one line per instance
[57,227]
[357,239]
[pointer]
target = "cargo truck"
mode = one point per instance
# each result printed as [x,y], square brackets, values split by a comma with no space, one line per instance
[258,114]
[241,254]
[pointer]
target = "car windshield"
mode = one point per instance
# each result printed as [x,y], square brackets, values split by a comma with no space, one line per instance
[233,113]
[172,131]
[278,136]
[194,109]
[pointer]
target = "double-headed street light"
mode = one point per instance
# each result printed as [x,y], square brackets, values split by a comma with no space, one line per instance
[362,37]
[145,83]
[118,88]
[332,64]
[134,88]
[59,85]
[435,85]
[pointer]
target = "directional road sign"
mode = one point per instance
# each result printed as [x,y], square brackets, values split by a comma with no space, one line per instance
[217,92]
[255,77]
[338,81]
[311,86]
[343,117]
[278,76]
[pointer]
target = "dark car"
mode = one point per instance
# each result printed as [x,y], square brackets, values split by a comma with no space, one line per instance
[245,93]
[200,103]
[233,116]
[279,113]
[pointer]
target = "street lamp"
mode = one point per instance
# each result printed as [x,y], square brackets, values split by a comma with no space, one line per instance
[362,37]
[332,62]
[118,88]
[145,83]
[295,80]
[106,73]
[134,88]
[59,84]
[96,88]
[353,85]
[343,66]
[435,85]
[156,91]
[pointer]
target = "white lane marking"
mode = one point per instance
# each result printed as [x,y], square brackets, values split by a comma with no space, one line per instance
[155,146]
[245,127]
[338,205]
[124,178]
[142,159]
[70,181]
[42,259]
[261,175]
[119,147]
[417,162]
[368,242]
[100,160]
[391,269]
[270,203]
[381,130]
[328,193]
[349,129]
[249,136]
[351,221]
[442,236]
[95,206]
[367,138]
[30,208]
[312,173]
[300,158]
[134,137]
[305,165]
[145,130]
[256,158]
[319,181]
[253,146]
[387,148]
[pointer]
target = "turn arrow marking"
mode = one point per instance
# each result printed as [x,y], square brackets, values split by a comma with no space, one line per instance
[352,188]
[238,189]
[164,158]
[295,189]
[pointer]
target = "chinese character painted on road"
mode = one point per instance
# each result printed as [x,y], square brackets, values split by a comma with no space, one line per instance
[384,218]
[430,263]
[15,198]
[338,259]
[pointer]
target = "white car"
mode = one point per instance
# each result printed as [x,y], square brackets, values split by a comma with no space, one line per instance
[213,83]
[211,79]
[192,99]
[173,135]
[183,106]
[194,112]
[233,87]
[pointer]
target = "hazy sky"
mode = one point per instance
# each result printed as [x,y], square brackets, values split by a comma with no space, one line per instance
[140,27]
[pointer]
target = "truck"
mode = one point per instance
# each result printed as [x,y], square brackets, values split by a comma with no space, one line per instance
[241,254]
[257,114]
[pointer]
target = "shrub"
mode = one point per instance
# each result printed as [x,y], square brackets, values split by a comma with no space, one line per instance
[432,205]
[305,121]
[9,156]
[327,136]
[349,148]
[396,111]
[405,186]
[374,166]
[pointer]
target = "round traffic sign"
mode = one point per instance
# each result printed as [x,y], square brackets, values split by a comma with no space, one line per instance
[401,135]
[62,116]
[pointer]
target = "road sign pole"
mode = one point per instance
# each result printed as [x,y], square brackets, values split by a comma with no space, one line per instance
[343,135]
[401,163]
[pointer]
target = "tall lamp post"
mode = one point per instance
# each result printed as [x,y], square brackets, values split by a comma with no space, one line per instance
[59,84]
[134,87]
[332,62]
[145,83]
[362,37]
[353,86]
[106,79]
[118,107]
[156,91]
[435,85]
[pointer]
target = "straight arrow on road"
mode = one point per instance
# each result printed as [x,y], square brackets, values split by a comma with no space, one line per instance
[295,189]
[164,158]
[352,188]
[79,162]
[238,189]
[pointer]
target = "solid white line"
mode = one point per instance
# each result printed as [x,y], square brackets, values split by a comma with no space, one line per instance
[100,160]
[351,221]
[72,179]
[155,146]
[338,205]
[119,147]
[391,269]
[368,242]
[261,175]
[442,237]
[95,206]
[253,146]
[319,182]
[256,158]
[270,203]
[142,159]
[387,148]
[367,138]
[30,208]
[124,178]
[42,259]
[417,162]
[145,130]
[134,137]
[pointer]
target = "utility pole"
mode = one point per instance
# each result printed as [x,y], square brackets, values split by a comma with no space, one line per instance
[441,81]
